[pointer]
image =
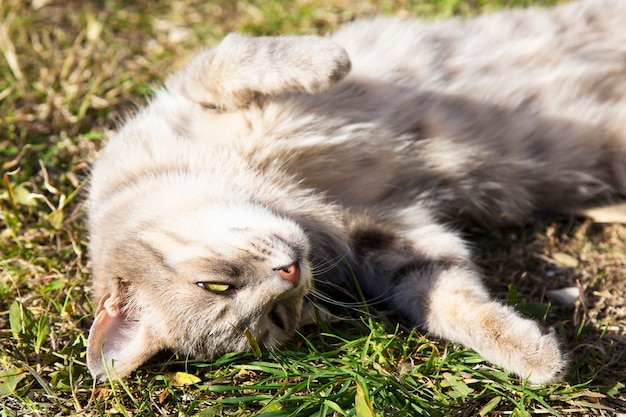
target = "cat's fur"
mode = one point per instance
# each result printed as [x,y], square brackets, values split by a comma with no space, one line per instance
[354,155]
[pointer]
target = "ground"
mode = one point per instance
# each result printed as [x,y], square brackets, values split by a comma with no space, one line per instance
[71,70]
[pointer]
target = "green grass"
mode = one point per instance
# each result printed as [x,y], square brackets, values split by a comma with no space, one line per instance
[69,71]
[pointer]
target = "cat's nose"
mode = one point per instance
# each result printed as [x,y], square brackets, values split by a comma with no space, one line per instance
[290,273]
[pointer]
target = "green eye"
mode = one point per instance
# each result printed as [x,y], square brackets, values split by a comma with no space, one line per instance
[214,287]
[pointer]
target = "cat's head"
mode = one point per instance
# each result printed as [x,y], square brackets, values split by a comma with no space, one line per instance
[199,276]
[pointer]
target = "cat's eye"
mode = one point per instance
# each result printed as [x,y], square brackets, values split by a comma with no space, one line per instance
[214,286]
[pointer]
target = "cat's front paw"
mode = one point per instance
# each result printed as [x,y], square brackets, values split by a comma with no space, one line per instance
[241,69]
[521,346]
[541,361]
[458,309]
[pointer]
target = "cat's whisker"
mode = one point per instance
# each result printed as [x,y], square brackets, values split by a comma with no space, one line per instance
[322,266]
[382,298]
[187,357]
[360,309]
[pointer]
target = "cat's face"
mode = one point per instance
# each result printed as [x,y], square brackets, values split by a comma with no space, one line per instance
[202,279]
[233,268]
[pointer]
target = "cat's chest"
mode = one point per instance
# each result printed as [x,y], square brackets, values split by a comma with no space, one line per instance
[341,143]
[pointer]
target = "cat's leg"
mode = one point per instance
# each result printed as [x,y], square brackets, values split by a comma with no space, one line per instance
[240,69]
[449,301]
[437,287]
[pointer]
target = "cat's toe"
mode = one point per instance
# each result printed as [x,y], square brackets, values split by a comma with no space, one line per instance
[520,345]
[543,363]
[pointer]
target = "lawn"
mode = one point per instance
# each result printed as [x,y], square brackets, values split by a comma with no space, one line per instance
[71,70]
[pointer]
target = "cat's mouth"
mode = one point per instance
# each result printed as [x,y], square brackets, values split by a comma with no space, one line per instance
[279,319]
[279,323]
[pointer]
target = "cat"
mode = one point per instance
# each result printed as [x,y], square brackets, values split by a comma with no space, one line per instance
[275,170]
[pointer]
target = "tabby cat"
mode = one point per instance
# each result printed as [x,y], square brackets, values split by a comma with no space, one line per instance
[272,169]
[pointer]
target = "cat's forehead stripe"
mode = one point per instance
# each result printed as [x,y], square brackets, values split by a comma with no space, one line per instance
[175,237]
[156,253]
[141,177]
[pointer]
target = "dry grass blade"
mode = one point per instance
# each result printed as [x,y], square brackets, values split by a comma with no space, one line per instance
[611,214]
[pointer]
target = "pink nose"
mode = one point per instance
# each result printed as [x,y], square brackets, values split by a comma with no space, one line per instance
[290,273]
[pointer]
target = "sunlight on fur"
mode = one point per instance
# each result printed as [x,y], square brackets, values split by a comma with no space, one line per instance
[269,163]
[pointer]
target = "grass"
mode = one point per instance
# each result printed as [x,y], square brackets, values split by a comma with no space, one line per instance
[70,70]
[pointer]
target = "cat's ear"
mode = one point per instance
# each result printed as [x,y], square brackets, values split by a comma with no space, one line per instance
[118,343]
[240,69]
